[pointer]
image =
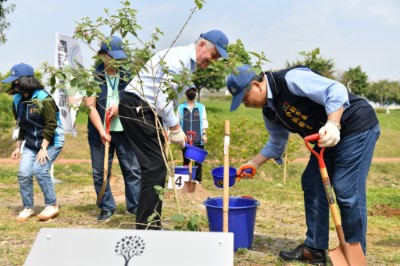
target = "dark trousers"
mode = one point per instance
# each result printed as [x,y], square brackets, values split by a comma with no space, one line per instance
[148,144]
[199,165]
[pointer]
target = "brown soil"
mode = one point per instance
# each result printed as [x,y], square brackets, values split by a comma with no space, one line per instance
[384,210]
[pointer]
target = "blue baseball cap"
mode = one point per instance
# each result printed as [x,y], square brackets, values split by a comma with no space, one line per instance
[18,71]
[237,83]
[113,47]
[219,39]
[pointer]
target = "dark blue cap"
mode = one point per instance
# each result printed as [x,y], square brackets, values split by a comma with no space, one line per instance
[237,83]
[113,46]
[18,71]
[219,39]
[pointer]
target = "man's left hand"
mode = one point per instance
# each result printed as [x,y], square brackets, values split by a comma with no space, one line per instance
[42,157]
[329,135]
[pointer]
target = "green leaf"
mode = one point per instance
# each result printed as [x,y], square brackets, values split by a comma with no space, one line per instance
[151,217]
[199,3]
[53,81]
[178,218]
[60,76]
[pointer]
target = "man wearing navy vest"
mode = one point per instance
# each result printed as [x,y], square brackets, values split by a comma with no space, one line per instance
[193,117]
[298,100]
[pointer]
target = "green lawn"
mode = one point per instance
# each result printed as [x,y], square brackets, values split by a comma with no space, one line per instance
[280,220]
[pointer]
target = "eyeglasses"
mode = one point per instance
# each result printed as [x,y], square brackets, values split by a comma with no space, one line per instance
[246,92]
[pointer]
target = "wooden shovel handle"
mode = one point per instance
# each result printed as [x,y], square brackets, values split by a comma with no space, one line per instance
[105,163]
[328,191]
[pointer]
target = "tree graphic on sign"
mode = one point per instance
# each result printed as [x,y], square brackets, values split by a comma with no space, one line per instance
[129,247]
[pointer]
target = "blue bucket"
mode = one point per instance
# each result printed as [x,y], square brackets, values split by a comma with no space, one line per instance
[194,153]
[218,176]
[184,170]
[241,218]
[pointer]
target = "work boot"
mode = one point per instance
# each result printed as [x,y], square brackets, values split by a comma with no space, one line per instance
[49,212]
[25,214]
[305,254]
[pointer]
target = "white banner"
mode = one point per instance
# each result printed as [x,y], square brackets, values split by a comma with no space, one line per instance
[68,53]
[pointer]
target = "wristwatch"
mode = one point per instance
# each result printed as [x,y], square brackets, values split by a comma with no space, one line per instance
[43,148]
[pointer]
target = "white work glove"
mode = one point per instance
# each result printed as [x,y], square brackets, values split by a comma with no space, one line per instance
[329,135]
[177,137]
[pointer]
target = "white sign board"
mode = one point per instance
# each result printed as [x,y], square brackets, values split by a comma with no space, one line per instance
[117,247]
[179,180]
[68,53]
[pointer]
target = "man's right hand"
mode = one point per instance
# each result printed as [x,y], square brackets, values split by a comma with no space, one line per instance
[15,153]
[247,170]
[105,137]
[177,137]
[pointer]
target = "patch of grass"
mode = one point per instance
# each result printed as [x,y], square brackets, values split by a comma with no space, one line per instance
[389,196]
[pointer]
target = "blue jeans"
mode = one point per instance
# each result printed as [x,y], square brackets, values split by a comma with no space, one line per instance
[130,169]
[28,168]
[348,165]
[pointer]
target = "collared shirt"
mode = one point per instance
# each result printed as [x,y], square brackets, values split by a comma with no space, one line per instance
[305,83]
[113,99]
[150,83]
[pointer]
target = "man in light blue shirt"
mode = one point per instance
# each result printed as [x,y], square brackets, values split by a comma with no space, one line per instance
[147,106]
[298,100]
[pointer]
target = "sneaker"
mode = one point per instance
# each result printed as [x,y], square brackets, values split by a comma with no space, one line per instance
[49,212]
[56,181]
[25,214]
[104,216]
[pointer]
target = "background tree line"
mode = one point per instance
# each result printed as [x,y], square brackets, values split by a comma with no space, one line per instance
[383,92]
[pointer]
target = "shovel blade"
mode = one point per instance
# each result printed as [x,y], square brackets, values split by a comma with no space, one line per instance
[356,256]
[189,187]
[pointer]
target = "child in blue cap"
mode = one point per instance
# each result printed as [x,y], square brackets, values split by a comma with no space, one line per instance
[41,131]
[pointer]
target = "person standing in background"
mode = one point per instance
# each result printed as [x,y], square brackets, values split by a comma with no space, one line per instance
[193,117]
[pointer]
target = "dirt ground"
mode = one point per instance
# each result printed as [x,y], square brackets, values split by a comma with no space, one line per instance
[280,230]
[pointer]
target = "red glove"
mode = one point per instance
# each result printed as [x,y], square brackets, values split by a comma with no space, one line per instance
[247,170]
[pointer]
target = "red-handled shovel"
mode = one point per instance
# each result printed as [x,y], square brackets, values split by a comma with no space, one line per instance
[347,253]
[190,185]
[191,135]
[105,165]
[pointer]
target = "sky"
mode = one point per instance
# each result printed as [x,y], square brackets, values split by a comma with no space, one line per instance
[352,33]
